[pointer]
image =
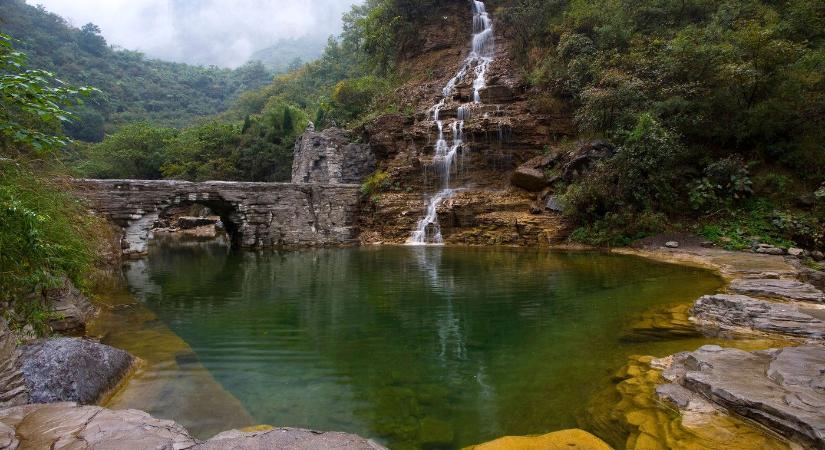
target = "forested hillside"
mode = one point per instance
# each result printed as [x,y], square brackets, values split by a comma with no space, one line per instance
[133,88]
[289,54]
[716,109]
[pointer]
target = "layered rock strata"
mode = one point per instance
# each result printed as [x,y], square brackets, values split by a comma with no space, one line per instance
[782,389]
[738,312]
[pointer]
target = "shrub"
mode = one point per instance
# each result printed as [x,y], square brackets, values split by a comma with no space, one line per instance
[376,182]
[724,183]
[46,235]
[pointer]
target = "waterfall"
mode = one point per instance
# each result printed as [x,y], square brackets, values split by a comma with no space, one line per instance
[428,230]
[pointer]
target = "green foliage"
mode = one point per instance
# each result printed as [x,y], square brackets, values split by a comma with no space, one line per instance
[32,104]
[725,84]
[638,179]
[743,227]
[724,182]
[376,182]
[46,235]
[134,89]
[134,151]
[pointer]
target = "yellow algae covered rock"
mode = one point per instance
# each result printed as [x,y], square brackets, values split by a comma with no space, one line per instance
[564,439]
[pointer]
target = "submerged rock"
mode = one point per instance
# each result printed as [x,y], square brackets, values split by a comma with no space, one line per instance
[72,369]
[782,389]
[780,289]
[737,311]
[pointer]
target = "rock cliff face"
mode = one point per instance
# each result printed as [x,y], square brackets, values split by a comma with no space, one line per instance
[13,390]
[510,126]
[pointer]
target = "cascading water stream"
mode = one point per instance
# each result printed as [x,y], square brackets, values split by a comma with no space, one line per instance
[478,61]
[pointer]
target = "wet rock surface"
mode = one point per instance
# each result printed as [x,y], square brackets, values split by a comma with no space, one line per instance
[71,369]
[783,389]
[69,426]
[778,289]
[739,311]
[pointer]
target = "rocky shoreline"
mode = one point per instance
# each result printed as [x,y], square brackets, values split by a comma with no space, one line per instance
[778,389]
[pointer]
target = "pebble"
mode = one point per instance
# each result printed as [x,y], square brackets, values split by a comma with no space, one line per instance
[672,244]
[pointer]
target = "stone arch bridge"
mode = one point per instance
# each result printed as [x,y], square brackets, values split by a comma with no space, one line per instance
[256,215]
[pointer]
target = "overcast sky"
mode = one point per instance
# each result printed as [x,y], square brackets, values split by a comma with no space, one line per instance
[219,32]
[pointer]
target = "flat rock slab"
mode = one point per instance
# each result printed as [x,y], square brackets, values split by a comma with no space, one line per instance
[783,389]
[288,439]
[737,311]
[779,289]
[70,426]
[72,369]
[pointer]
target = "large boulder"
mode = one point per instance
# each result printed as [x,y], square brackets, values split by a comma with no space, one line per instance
[783,389]
[530,175]
[72,369]
[330,157]
[71,308]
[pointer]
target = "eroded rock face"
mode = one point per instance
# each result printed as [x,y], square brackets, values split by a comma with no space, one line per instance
[72,369]
[72,308]
[13,390]
[782,389]
[781,289]
[329,157]
[737,311]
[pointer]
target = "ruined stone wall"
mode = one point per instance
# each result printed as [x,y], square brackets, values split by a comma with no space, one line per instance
[329,157]
[258,214]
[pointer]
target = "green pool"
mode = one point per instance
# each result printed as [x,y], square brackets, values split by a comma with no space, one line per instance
[417,347]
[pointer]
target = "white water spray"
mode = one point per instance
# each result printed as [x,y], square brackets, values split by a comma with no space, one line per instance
[428,230]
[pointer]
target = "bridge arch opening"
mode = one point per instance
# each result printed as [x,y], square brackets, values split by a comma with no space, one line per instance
[200,213]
